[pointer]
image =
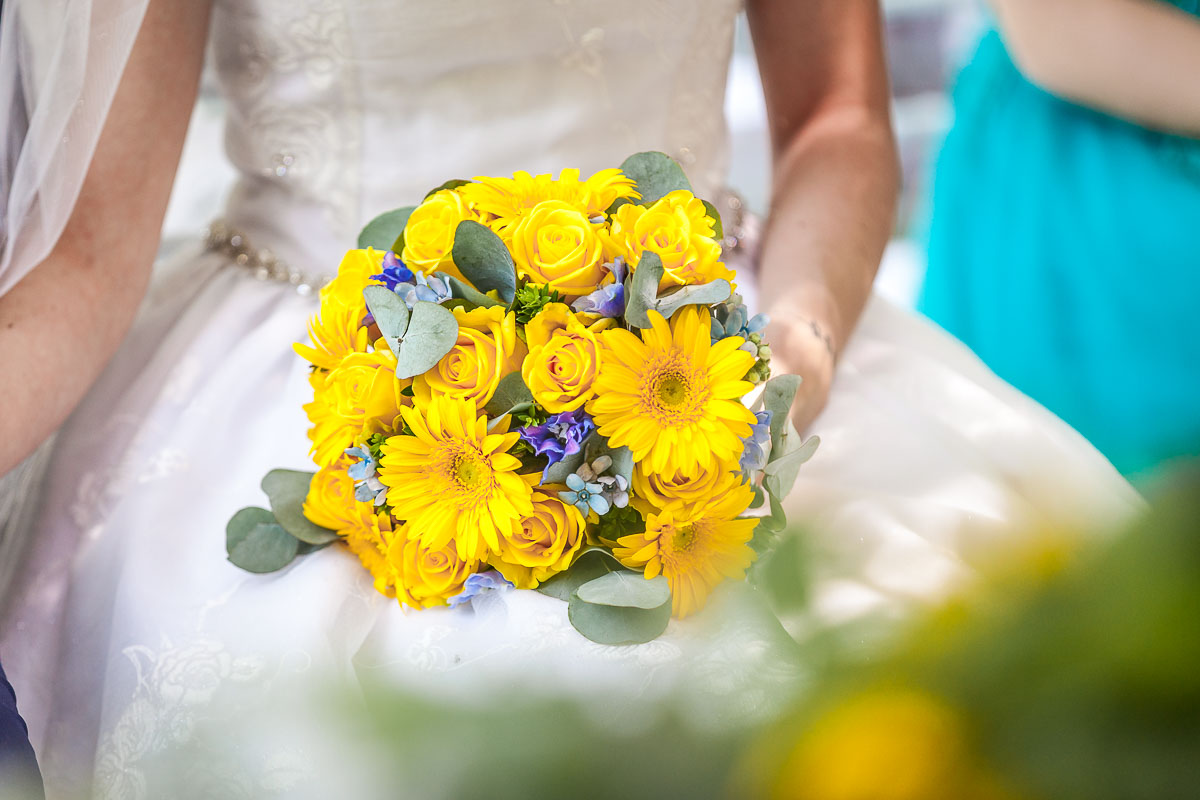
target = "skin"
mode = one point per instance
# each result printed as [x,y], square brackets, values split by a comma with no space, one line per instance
[119,213]
[836,177]
[1131,58]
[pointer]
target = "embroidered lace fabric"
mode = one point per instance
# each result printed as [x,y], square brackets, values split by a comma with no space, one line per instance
[131,635]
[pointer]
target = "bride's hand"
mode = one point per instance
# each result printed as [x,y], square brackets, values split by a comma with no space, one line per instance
[799,348]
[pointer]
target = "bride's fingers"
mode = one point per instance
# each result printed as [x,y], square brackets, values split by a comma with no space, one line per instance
[795,350]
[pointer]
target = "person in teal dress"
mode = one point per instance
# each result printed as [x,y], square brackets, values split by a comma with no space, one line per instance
[1064,242]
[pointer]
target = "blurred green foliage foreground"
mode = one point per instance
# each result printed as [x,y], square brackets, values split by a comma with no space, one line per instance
[1075,675]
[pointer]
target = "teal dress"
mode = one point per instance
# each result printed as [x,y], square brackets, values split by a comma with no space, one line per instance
[1064,249]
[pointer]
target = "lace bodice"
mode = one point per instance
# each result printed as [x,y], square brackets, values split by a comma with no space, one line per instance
[342,109]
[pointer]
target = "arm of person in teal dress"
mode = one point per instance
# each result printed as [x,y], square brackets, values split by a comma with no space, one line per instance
[62,323]
[836,177]
[1131,58]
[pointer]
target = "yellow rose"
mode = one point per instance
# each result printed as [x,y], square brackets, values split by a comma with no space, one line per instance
[556,244]
[362,396]
[330,501]
[654,491]
[429,233]
[424,577]
[543,545]
[369,536]
[564,357]
[336,329]
[679,230]
[487,349]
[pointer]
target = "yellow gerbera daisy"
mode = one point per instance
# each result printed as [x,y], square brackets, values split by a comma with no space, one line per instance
[453,480]
[369,536]
[672,397]
[695,546]
[506,200]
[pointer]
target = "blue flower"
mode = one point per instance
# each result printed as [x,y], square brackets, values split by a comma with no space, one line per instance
[584,496]
[754,454]
[394,272]
[429,288]
[731,318]
[615,488]
[367,486]
[477,584]
[607,301]
[561,435]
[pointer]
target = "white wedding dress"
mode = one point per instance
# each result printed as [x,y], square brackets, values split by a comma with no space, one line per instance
[129,629]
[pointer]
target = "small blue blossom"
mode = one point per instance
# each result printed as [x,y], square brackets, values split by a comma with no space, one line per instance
[432,288]
[584,496]
[477,584]
[615,488]
[367,486]
[561,435]
[731,318]
[394,272]
[754,454]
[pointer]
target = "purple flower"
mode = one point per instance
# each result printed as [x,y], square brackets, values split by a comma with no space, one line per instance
[607,301]
[477,584]
[394,272]
[559,436]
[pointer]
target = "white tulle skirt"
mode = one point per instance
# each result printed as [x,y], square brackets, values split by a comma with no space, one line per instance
[130,628]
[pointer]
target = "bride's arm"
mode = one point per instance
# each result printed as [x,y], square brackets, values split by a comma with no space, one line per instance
[836,177]
[60,325]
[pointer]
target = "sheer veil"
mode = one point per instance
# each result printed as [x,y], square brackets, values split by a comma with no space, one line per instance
[60,64]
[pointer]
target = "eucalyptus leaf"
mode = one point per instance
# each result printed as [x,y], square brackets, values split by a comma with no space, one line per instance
[385,229]
[287,489]
[482,258]
[704,294]
[511,394]
[656,175]
[390,313]
[432,332]
[618,625]
[257,543]
[759,497]
[465,291]
[776,520]
[626,589]
[450,184]
[643,293]
[718,227]
[781,575]
[622,457]
[559,470]
[591,564]
[780,474]
[778,396]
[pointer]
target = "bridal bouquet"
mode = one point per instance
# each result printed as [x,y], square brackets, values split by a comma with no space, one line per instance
[540,383]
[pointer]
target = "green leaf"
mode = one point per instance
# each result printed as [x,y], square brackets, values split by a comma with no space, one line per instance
[286,489]
[511,395]
[390,313]
[759,498]
[465,291]
[618,625]
[656,175]
[625,589]
[778,396]
[776,520]
[591,564]
[385,229]
[783,469]
[782,575]
[450,184]
[432,332]
[483,260]
[642,294]
[257,543]
[704,294]
[718,227]
[559,470]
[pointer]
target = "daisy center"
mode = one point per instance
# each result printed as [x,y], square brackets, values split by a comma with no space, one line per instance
[673,390]
[683,538]
[469,470]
